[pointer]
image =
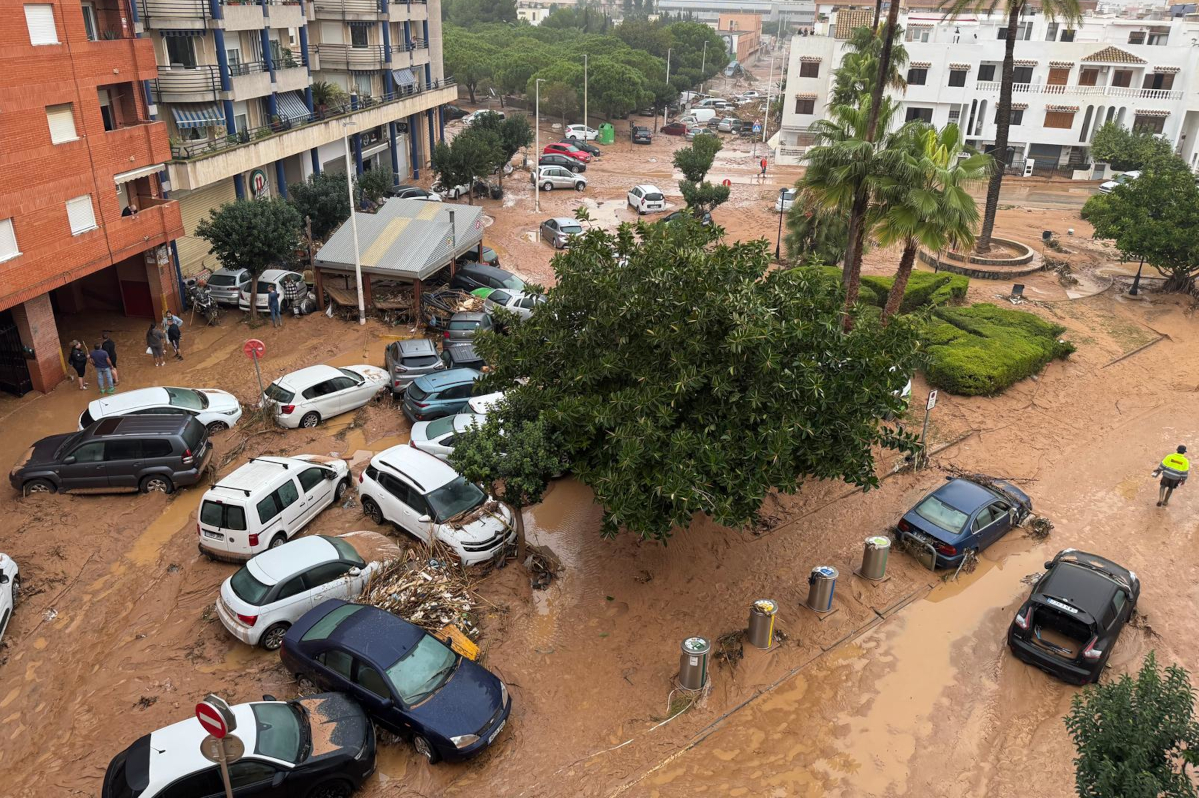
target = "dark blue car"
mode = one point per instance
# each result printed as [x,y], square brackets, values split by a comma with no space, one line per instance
[960,516]
[410,682]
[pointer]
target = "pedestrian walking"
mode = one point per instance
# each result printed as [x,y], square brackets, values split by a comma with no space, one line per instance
[272,302]
[155,341]
[103,369]
[110,346]
[77,357]
[762,177]
[1174,471]
[174,326]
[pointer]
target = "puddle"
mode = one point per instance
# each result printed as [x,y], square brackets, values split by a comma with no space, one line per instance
[149,545]
[237,659]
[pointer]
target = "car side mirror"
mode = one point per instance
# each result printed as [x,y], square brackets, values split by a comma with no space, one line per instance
[3,579]
[1048,564]
[269,698]
[69,460]
[386,703]
[424,519]
[355,571]
[278,780]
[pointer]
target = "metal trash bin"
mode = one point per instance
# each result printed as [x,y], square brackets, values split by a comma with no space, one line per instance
[761,623]
[874,557]
[693,664]
[821,583]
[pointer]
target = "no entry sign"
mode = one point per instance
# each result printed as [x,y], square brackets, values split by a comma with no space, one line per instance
[254,348]
[215,716]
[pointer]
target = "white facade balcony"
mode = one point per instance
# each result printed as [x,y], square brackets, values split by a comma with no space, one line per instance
[993,87]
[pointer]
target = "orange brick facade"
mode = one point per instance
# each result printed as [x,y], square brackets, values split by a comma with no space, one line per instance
[37,176]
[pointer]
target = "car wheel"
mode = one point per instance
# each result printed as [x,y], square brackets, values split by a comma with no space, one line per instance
[306,686]
[331,789]
[216,427]
[573,137]
[574,169]
[547,186]
[580,186]
[342,487]
[38,486]
[310,420]
[277,541]
[157,482]
[425,749]
[373,511]
[272,638]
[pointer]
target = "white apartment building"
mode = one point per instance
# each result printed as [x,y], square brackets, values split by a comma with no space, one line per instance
[1068,82]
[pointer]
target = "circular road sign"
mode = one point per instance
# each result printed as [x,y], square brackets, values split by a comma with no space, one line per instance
[230,749]
[212,719]
[254,348]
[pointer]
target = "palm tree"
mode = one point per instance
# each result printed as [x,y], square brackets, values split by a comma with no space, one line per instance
[1066,10]
[923,201]
[858,69]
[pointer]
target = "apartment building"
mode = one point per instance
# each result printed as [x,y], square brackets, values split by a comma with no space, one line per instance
[234,84]
[796,13]
[1068,82]
[742,35]
[85,221]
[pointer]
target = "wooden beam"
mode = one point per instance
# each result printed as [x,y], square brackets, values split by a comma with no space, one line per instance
[320,287]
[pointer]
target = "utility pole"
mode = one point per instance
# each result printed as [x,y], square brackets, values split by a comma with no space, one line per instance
[766,116]
[354,222]
[703,65]
[585,117]
[537,146]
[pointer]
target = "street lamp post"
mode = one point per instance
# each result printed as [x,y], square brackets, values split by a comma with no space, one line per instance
[354,222]
[537,146]
[778,246]
[586,123]
[703,64]
[665,108]
[766,116]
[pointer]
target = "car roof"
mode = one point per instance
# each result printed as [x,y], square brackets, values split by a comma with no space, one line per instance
[229,271]
[442,379]
[964,495]
[307,377]
[129,400]
[485,269]
[422,468]
[274,274]
[374,633]
[1079,586]
[274,565]
[259,473]
[416,346]
[484,403]
[175,749]
[561,220]
[647,187]
[464,421]
[463,351]
[139,425]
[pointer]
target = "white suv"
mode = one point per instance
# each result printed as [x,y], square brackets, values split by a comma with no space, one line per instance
[429,500]
[10,590]
[214,408]
[646,199]
[267,501]
[260,602]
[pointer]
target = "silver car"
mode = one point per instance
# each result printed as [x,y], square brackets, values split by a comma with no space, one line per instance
[406,360]
[552,177]
[463,326]
[226,285]
[559,230]
[517,302]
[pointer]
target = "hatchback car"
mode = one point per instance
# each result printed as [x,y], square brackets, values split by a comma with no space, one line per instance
[410,682]
[214,408]
[641,135]
[268,594]
[442,394]
[552,177]
[413,192]
[559,230]
[318,745]
[518,302]
[684,214]
[437,437]
[225,285]
[408,359]
[693,131]
[962,516]
[646,199]
[431,501]
[470,276]
[569,150]
[1108,186]
[565,161]
[119,454]
[462,356]
[1069,625]
[465,325]
[585,146]
[673,129]
[469,119]
[10,590]
[303,398]
[785,200]
[581,132]
[281,279]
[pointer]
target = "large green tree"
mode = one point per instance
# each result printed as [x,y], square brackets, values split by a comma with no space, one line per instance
[513,133]
[373,184]
[472,155]
[560,100]
[323,198]
[470,13]
[685,375]
[253,235]
[1136,737]
[815,233]
[469,58]
[1125,150]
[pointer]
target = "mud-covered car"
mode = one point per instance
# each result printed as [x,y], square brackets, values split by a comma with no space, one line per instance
[959,517]
[1069,624]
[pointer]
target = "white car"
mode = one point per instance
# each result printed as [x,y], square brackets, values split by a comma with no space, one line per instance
[785,200]
[280,278]
[431,501]
[581,132]
[1109,186]
[469,119]
[517,302]
[646,199]
[10,590]
[749,97]
[260,602]
[437,437]
[305,397]
[215,409]
[485,403]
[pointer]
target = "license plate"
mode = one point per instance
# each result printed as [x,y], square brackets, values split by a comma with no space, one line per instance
[496,733]
[213,535]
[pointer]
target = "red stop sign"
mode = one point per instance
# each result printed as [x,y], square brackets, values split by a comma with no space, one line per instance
[254,348]
[212,720]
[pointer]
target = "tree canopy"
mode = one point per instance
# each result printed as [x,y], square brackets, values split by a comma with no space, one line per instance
[472,155]
[695,161]
[468,13]
[1125,150]
[324,198]
[252,234]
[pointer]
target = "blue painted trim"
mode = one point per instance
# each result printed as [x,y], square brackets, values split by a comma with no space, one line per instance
[395,153]
[308,99]
[281,178]
[239,186]
[272,104]
[149,99]
[432,131]
[316,161]
[222,59]
[216,9]
[230,119]
[386,41]
[441,115]
[133,13]
[304,47]
[266,49]
[414,145]
[357,143]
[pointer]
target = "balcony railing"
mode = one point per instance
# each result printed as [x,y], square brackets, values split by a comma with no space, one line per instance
[350,57]
[1082,91]
[416,44]
[201,80]
[365,7]
[196,9]
[185,150]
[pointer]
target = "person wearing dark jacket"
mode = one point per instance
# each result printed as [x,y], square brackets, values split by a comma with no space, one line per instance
[77,357]
[110,346]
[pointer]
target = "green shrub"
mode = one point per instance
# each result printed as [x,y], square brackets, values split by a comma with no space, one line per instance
[923,289]
[983,349]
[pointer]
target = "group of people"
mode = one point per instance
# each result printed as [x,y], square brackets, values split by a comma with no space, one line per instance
[103,357]
[171,332]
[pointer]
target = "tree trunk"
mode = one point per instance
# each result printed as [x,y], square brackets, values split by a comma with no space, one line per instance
[895,295]
[1003,119]
[1179,282]
[470,89]
[878,11]
[519,522]
[254,299]
[884,70]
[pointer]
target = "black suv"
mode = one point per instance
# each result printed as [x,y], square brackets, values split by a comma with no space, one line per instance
[462,356]
[119,454]
[641,135]
[1070,623]
[470,276]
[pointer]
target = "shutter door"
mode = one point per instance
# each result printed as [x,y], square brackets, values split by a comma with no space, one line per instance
[62,123]
[332,33]
[80,214]
[40,19]
[194,255]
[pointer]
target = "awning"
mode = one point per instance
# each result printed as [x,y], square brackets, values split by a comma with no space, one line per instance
[291,106]
[361,23]
[188,32]
[403,78]
[134,174]
[188,115]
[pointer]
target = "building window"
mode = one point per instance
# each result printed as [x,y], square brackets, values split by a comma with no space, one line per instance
[80,214]
[917,77]
[917,34]
[106,114]
[89,22]
[809,69]
[181,51]
[955,114]
[1015,117]
[805,105]
[8,240]
[61,119]
[1158,39]
[362,83]
[1088,77]
[1068,35]
[1150,124]
[1158,80]
[1136,37]
[40,19]
[986,73]
[957,77]
[358,36]
[1062,120]
[1051,32]
[1023,32]
[1022,75]
[1122,78]
[919,115]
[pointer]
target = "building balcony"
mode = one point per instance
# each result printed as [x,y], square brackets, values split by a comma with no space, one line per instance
[1082,91]
[118,59]
[345,10]
[202,84]
[237,14]
[248,80]
[345,57]
[413,10]
[157,222]
[144,143]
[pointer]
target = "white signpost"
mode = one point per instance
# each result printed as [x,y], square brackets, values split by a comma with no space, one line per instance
[221,745]
[928,406]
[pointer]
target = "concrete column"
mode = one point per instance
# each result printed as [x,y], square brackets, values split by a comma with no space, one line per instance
[266,51]
[281,178]
[429,125]
[39,332]
[414,144]
[441,121]
[222,59]
[230,118]
[304,46]
[395,153]
[239,185]
[316,161]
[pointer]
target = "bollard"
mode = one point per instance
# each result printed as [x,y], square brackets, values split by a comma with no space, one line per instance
[693,664]
[874,558]
[821,583]
[761,623]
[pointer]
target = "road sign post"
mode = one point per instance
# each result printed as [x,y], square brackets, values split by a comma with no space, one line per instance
[224,752]
[928,407]
[254,349]
[215,715]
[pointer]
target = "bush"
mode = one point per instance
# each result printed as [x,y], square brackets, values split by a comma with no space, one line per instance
[924,289]
[983,349]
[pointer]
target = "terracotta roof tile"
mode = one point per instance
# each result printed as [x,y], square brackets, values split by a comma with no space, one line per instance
[1113,55]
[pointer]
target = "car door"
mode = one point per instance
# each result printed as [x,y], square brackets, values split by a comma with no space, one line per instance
[123,462]
[372,691]
[293,506]
[547,230]
[335,669]
[999,524]
[635,197]
[84,468]
[290,601]
[330,580]
[401,510]
[318,487]
[253,777]
[321,399]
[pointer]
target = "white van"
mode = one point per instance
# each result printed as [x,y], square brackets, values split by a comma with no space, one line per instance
[703,115]
[266,502]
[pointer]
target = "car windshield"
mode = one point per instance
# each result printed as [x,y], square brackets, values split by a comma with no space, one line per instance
[281,731]
[571,229]
[353,375]
[222,280]
[513,282]
[422,671]
[247,588]
[186,398]
[938,512]
[464,324]
[454,498]
[439,427]
[277,394]
[418,361]
[325,626]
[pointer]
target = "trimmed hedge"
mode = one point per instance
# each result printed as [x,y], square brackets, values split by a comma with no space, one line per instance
[923,289]
[983,349]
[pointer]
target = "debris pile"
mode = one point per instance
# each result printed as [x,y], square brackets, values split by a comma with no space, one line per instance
[544,566]
[1039,527]
[730,648]
[430,593]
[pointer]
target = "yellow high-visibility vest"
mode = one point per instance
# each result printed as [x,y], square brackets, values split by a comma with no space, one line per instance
[1176,463]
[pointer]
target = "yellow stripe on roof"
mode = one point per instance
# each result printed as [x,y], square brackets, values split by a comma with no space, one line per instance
[383,243]
[429,212]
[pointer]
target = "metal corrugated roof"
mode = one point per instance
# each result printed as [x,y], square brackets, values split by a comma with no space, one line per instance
[407,239]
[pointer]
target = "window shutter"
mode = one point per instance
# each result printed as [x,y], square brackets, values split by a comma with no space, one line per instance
[8,240]
[80,214]
[40,19]
[62,123]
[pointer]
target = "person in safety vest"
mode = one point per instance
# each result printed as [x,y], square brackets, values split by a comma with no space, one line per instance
[1174,471]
